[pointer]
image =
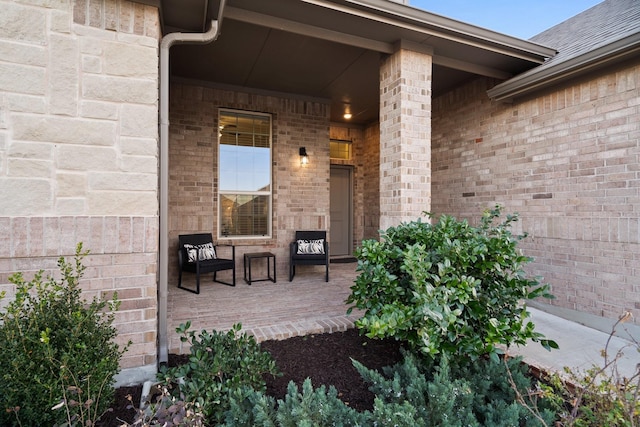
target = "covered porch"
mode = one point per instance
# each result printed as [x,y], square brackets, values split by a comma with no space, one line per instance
[291,66]
[309,305]
[266,310]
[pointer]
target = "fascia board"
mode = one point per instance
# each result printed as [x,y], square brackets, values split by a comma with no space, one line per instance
[423,22]
[546,76]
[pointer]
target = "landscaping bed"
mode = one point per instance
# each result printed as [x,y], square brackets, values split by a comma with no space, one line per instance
[325,358]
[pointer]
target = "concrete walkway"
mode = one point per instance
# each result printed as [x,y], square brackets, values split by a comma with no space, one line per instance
[580,349]
[309,305]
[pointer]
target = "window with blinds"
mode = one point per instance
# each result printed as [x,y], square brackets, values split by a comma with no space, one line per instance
[340,149]
[244,174]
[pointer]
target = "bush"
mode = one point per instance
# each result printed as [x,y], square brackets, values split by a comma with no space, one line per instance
[598,396]
[411,393]
[450,395]
[311,407]
[447,288]
[219,363]
[56,350]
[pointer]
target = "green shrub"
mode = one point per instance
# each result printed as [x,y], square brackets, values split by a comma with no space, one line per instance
[219,363]
[447,288]
[311,407]
[449,395]
[414,392]
[56,350]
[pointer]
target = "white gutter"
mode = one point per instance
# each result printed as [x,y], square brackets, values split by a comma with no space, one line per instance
[163,261]
[544,76]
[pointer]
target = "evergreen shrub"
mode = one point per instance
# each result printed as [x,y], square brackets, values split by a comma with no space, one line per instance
[467,394]
[447,288]
[310,407]
[414,392]
[56,350]
[219,363]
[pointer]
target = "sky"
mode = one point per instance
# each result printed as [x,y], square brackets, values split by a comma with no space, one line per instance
[520,18]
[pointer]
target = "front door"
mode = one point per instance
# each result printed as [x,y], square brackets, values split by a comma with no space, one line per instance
[341,230]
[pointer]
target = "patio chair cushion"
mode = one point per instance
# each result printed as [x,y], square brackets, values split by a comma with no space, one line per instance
[197,253]
[202,252]
[311,247]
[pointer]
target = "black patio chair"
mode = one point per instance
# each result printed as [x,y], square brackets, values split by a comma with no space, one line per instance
[197,254]
[309,248]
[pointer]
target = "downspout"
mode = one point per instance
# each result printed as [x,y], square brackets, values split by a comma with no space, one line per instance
[163,261]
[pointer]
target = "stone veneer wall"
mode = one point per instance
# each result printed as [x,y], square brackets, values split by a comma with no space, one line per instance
[569,162]
[78,151]
[300,193]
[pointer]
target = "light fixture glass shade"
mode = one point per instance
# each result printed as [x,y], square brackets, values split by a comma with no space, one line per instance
[304,158]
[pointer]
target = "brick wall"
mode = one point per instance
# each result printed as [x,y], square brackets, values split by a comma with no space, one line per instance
[78,151]
[569,162]
[371,182]
[300,193]
[405,136]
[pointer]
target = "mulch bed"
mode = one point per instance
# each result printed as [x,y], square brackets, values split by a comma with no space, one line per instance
[325,358]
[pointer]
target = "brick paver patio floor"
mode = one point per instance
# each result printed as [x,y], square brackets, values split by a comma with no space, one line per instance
[267,310]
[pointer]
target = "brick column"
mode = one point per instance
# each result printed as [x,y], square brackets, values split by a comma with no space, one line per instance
[405,135]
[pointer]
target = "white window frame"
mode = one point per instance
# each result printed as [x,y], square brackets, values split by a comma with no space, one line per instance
[268,193]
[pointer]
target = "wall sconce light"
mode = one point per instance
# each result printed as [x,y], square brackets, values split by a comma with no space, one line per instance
[304,158]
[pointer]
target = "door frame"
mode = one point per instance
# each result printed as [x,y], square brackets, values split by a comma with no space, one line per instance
[350,170]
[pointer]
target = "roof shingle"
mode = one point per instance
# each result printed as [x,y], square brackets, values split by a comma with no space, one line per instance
[598,26]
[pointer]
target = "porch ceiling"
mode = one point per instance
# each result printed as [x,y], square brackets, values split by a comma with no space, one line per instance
[331,49]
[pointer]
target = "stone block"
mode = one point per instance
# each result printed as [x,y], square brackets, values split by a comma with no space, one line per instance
[70,206]
[122,181]
[23,24]
[130,60]
[26,104]
[25,196]
[71,184]
[31,150]
[33,55]
[139,146]
[60,22]
[120,89]
[122,203]
[139,121]
[91,64]
[63,130]
[140,164]
[86,158]
[22,79]
[29,168]
[63,75]
[99,110]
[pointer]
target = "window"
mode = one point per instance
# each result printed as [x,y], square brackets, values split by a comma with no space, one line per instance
[340,149]
[244,184]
